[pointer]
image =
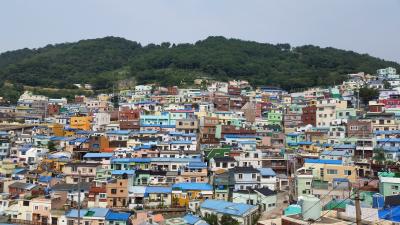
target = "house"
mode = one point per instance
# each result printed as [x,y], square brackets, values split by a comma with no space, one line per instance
[185,193]
[222,184]
[18,188]
[389,183]
[265,198]
[268,178]
[97,197]
[158,197]
[93,216]
[71,191]
[117,218]
[117,193]
[243,213]
[195,172]
[245,177]
[327,169]
[84,171]
[304,178]
[222,163]
[81,122]
[338,189]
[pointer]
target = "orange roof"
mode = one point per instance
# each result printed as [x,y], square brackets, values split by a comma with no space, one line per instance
[158,218]
[108,150]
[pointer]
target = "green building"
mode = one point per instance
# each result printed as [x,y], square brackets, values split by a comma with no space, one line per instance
[389,183]
[274,117]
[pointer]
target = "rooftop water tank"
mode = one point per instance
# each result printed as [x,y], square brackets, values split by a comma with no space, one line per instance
[310,207]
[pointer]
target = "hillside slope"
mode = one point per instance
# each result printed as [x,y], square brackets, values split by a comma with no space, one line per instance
[100,62]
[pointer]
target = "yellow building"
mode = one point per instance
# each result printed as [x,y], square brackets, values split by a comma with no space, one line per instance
[326,170]
[81,122]
[57,129]
[7,167]
[184,193]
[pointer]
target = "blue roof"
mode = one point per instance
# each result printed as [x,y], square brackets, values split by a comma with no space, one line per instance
[392,214]
[143,147]
[324,161]
[191,219]
[352,146]
[57,138]
[79,140]
[293,134]
[129,160]
[18,170]
[335,153]
[197,165]
[305,143]
[91,212]
[192,186]
[45,179]
[148,160]
[118,216]
[224,207]
[172,133]
[121,172]
[388,140]
[25,148]
[341,179]
[158,189]
[239,136]
[119,132]
[391,149]
[387,132]
[83,132]
[98,155]
[246,142]
[181,142]
[267,172]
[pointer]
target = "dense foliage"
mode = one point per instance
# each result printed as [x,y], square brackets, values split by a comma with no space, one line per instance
[102,62]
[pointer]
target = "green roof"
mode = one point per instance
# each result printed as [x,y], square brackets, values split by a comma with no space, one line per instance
[90,213]
[334,204]
[292,210]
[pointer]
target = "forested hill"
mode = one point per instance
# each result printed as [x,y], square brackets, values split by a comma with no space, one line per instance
[105,60]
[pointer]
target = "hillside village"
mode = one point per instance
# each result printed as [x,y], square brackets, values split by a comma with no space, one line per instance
[216,153]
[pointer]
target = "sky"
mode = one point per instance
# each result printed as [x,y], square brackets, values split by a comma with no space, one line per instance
[364,26]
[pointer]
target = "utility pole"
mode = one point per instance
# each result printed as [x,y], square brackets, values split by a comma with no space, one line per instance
[358,208]
[79,197]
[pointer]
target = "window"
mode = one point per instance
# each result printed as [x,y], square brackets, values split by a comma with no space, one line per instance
[395,187]
[240,176]
[308,183]
[347,172]
[36,207]
[253,176]
[331,171]
[113,191]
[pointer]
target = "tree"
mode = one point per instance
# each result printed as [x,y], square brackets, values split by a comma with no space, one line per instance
[228,220]
[386,84]
[367,94]
[211,219]
[379,156]
[115,101]
[51,146]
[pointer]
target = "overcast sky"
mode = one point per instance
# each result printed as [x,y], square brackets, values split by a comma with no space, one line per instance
[365,26]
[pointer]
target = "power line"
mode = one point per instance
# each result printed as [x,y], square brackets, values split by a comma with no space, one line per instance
[339,203]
